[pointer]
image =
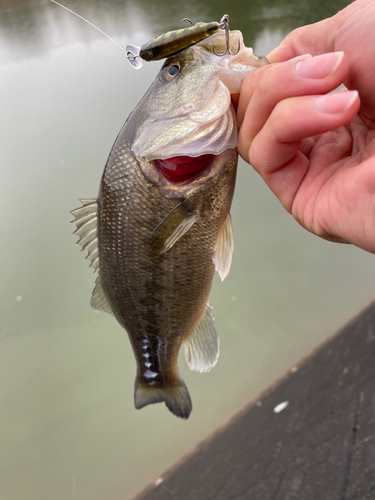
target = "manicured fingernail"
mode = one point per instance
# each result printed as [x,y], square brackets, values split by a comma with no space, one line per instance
[337,102]
[319,66]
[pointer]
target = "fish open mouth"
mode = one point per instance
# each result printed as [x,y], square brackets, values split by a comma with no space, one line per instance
[180,169]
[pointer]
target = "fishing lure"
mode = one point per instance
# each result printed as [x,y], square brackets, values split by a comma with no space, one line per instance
[176,41]
[169,43]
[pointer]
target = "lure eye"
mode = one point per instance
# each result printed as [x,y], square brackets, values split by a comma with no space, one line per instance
[171,71]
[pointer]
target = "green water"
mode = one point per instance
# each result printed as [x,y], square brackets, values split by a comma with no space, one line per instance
[68,425]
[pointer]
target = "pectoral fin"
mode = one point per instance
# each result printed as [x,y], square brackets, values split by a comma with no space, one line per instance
[222,257]
[172,228]
[203,346]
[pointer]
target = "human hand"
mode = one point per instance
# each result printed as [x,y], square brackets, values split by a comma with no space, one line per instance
[315,151]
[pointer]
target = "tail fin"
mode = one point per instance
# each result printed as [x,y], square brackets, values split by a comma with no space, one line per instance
[177,398]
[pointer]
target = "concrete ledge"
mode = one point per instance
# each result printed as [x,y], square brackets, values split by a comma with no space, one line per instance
[321,446]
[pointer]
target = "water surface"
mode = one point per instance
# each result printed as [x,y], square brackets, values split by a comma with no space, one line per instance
[69,428]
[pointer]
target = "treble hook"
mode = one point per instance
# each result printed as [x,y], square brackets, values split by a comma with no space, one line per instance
[191,22]
[188,20]
[224,24]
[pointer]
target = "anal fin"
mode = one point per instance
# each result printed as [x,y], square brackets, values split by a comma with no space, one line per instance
[222,257]
[202,347]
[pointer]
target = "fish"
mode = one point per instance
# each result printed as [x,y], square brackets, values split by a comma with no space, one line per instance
[161,223]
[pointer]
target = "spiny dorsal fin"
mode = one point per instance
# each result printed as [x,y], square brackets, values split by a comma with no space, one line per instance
[172,228]
[86,220]
[202,347]
[99,301]
[222,257]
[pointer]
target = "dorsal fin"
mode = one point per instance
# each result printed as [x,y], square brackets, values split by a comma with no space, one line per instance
[86,220]
[222,257]
[202,347]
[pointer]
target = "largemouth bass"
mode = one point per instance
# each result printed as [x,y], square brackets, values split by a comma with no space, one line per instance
[161,224]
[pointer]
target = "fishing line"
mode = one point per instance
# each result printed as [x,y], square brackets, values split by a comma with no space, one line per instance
[93,25]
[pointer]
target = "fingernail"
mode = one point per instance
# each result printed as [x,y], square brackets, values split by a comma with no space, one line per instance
[337,102]
[319,66]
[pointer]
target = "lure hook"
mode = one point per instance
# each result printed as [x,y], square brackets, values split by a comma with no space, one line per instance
[191,22]
[224,24]
[188,20]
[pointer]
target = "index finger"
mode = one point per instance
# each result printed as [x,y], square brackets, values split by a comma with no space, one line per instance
[313,39]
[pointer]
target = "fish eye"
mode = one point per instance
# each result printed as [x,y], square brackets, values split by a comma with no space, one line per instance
[171,71]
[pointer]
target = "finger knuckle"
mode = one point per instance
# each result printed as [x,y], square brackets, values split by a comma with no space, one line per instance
[278,120]
[265,82]
[250,82]
[255,159]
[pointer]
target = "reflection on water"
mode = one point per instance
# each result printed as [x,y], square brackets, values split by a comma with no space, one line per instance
[31,28]
[69,428]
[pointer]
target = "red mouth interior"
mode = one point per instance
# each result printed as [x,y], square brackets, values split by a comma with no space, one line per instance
[183,168]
